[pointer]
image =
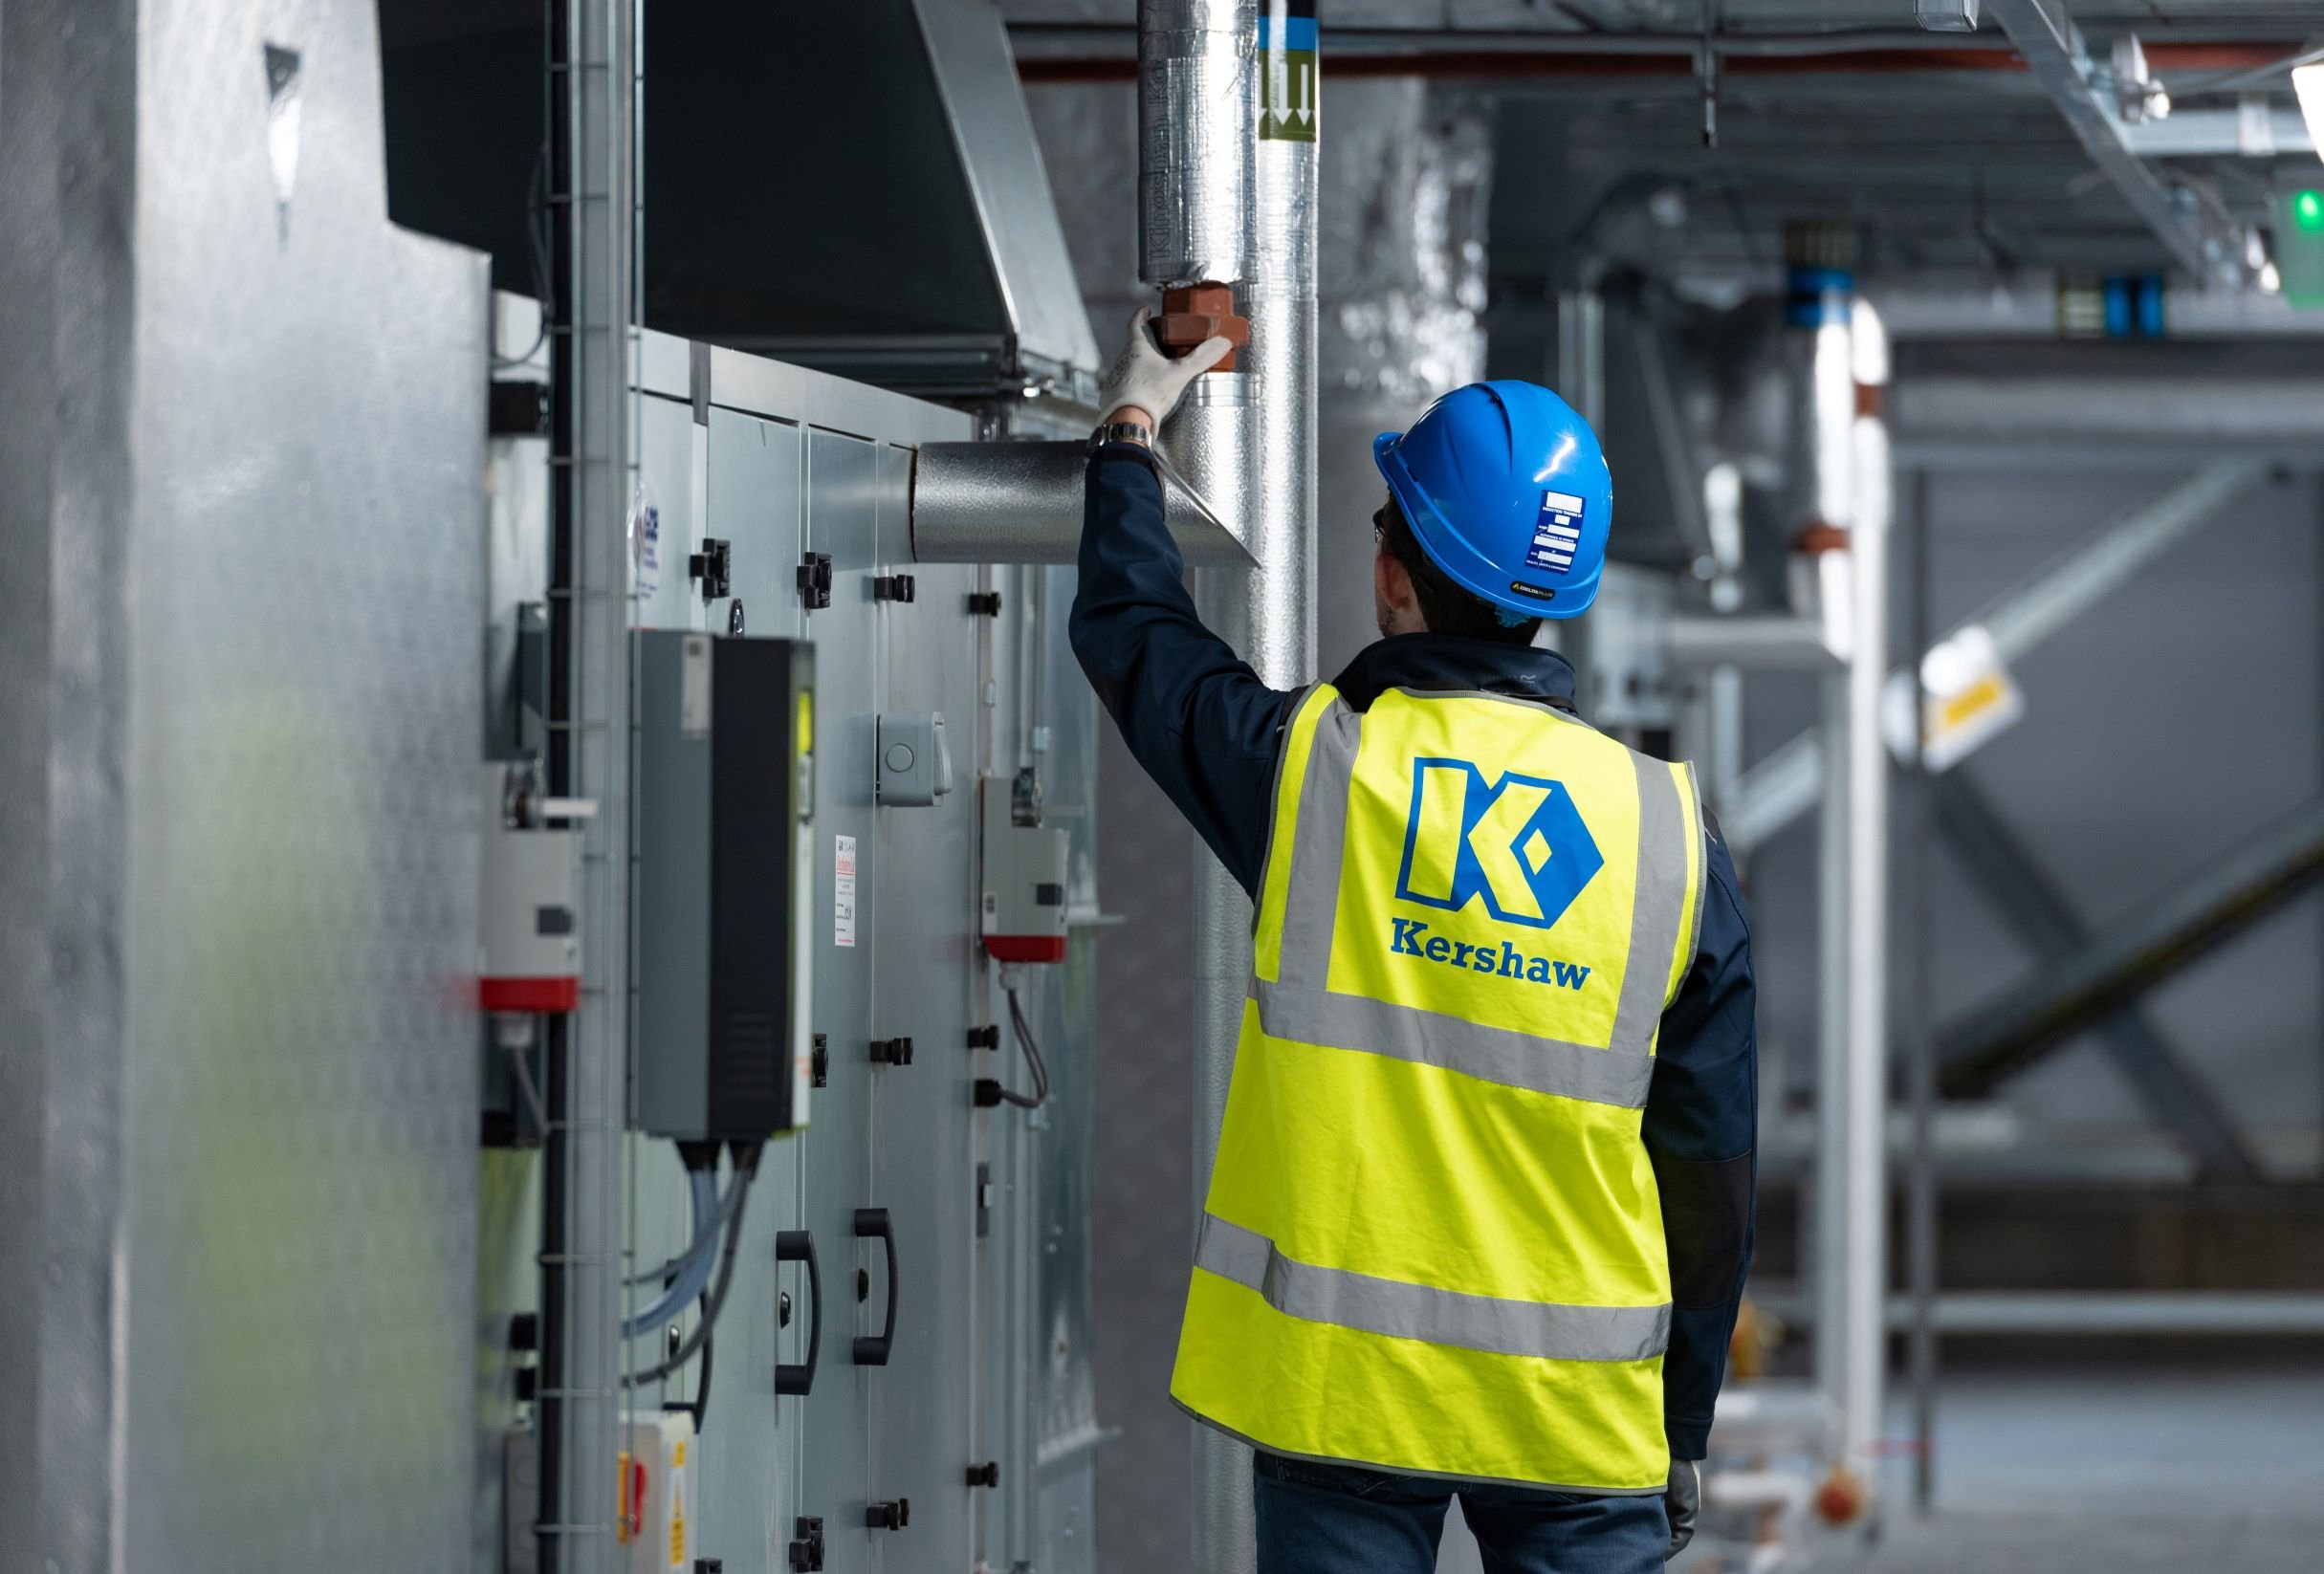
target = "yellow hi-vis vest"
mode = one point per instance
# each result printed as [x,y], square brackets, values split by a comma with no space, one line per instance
[1433,1243]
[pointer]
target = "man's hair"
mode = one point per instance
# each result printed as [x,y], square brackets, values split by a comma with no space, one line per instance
[1444,607]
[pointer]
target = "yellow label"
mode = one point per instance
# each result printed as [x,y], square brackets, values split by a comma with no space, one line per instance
[678,1461]
[677,1520]
[1980,696]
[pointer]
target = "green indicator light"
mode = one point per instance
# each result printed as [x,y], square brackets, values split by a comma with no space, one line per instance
[2308,210]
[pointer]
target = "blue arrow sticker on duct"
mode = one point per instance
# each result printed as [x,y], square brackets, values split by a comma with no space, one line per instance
[1289,78]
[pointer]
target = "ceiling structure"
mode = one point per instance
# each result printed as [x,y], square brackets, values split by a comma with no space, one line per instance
[1944,151]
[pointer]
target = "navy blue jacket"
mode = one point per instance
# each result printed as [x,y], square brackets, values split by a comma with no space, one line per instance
[1207,730]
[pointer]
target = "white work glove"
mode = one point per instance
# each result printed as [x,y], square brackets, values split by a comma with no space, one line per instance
[1682,1500]
[1143,378]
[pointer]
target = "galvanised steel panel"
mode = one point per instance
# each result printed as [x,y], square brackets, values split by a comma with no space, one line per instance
[1060,1332]
[923,1168]
[752,491]
[842,519]
[664,518]
[754,496]
[261,529]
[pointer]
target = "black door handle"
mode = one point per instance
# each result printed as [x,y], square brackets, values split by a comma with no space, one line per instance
[799,1246]
[871,1223]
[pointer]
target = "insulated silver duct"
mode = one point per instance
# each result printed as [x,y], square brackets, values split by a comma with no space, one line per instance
[1196,100]
[1021,503]
[1224,199]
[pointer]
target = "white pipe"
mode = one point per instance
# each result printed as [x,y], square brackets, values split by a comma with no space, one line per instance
[1828,489]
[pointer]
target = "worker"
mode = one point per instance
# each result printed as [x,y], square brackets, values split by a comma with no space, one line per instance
[1482,1201]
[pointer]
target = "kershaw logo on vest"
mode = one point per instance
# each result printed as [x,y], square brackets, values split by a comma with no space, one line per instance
[1519,843]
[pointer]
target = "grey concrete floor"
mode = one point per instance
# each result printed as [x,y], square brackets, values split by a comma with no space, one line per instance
[2116,1471]
[2133,1470]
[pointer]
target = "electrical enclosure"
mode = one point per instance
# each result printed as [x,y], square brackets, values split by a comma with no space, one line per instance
[726,784]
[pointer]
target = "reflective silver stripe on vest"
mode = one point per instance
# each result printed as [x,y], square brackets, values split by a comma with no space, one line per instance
[1389,1306]
[1453,1043]
[1311,898]
[1657,909]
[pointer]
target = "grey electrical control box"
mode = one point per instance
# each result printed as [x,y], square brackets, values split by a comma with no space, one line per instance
[915,763]
[721,885]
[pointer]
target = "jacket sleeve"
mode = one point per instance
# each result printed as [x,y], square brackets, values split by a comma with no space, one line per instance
[1192,713]
[1702,1131]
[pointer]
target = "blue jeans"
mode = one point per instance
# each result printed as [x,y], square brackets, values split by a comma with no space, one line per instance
[1334,1519]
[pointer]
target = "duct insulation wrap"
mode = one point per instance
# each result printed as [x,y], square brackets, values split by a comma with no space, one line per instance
[1269,613]
[1199,98]
[1403,245]
[1400,258]
[1021,503]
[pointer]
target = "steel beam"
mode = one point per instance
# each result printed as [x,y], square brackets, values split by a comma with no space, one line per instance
[1787,782]
[2105,976]
[2166,1312]
[2052,48]
[2011,878]
[2198,132]
[2296,1312]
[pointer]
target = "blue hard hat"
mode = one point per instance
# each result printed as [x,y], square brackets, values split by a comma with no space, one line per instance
[1506,491]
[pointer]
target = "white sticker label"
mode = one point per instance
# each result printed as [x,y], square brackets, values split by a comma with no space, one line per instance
[645,543]
[842,891]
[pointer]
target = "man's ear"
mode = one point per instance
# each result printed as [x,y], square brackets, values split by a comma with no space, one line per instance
[1391,581]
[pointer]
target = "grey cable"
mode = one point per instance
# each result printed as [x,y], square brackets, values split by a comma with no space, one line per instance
[746,1171]
[694,1268]
[1033,1061]
[532,1094]
[704,1243]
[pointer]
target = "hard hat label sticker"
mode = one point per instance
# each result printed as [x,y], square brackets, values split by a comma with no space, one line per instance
[1557,533]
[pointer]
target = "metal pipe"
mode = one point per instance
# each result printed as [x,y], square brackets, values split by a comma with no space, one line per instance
[2255,1313]
[1199,220]
[1777,644]
[2262,409]
[1826,402]
[1273,607]
[1021,503]
[2025,305]
[1827,1200]
[1923,1180]
[592,83]
[2128,1312]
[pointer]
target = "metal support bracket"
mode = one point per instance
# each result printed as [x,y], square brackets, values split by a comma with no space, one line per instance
[2055,53]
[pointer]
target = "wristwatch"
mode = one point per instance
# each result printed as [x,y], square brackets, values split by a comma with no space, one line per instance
[1122,431]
